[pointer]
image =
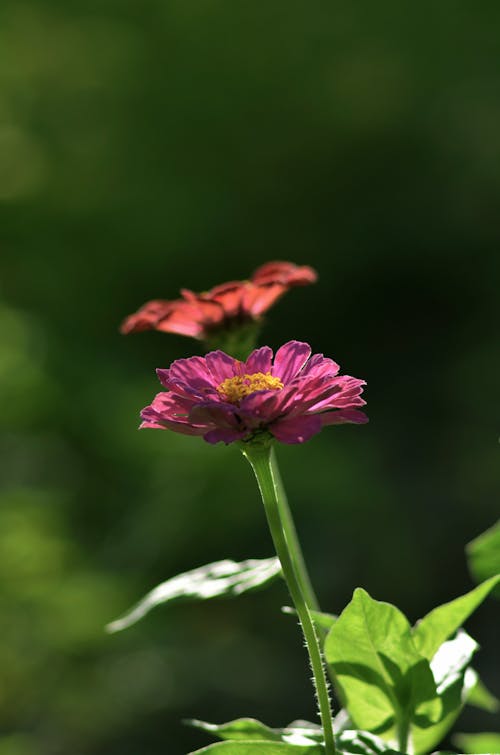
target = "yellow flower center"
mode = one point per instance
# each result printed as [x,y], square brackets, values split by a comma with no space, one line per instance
[236,388]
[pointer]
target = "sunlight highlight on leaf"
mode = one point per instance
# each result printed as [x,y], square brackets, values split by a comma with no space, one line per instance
[220,579]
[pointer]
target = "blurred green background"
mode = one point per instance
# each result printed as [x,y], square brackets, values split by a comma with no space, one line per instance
[149,146]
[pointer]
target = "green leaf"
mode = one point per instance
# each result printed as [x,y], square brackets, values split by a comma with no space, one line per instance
[480,697]
[483,555]
[435,628]
[362,743]
[242,728]
[487,742]
[298,733]
[451,660]
[220,579]
[385,684]
[454,680]
[258,748]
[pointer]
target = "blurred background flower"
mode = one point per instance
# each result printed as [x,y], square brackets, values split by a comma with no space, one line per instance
[228,316]
[149,147]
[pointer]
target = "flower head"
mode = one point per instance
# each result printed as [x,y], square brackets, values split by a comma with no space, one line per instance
[291,396]
[229,305]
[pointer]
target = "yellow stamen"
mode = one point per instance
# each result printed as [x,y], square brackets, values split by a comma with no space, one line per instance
[235,388]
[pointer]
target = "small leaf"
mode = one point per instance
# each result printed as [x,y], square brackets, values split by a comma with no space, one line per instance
[384,683]
[454,681]
[435,628]
[242,728]
[452,658]
[258,748]
[487,742]
[248,729]
[362,743]
[483,555]
[480,697]
[220,579]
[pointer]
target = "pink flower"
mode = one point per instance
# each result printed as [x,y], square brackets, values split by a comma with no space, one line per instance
[291,396]
[229,305]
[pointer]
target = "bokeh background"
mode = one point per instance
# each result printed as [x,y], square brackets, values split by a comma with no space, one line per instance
[149,146]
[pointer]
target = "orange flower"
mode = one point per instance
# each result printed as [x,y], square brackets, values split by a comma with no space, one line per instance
[228,307]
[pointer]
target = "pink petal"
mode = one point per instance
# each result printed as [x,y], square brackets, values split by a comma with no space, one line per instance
[166,413]
[152,425]
[224,435]
[189,370]
[290,359]
[213,414]
[221,366]
[260,360]
[164,377]
[314,394]
[296,429]
[343,416]
[265,406]
[320,366]
[348,396]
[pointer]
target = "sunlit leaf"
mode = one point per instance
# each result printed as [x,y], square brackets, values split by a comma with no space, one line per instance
[385,684]
[242,728]
[483,555]
[298,733]
[257,747]
[362,743]
[441,623]
[452,658]
[486,742]
[220,579]
[454,680]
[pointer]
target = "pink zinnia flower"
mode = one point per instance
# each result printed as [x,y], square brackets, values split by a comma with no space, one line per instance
[291,396]
[227,306]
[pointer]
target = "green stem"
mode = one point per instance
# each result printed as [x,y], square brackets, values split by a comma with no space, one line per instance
[259,457]
[403,731]
[292,539]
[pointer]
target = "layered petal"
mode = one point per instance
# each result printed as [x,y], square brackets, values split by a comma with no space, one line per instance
[289,359]
[353,416]
[225,400]
[225,307]
[212,415]
[229,296]
[225,435]
[221,366]
[286,273]
[296,429]
[147,317]
[257,299]
[260,360]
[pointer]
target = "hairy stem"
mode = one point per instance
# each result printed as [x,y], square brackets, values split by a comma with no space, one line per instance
[271,491]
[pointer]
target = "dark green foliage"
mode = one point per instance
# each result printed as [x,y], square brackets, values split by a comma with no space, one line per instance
[146,146]
[483,555]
